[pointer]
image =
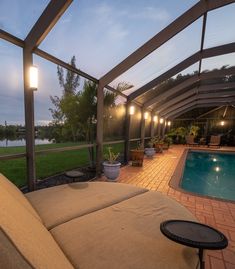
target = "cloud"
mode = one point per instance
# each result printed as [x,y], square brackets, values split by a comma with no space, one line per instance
[103,10]
[117,32]
[110,22]
[42,122]
[152,13]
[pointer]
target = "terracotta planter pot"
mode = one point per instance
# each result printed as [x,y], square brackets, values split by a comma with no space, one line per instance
[159,148]
[137,157]
[165,146]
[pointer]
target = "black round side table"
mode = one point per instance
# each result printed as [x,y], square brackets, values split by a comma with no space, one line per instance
[194,235]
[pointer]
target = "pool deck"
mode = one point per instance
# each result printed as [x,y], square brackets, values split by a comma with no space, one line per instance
[156,174]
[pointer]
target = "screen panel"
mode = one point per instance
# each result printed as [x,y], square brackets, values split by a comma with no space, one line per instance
[18,17]
[220,26]
[183,45]
[103,33]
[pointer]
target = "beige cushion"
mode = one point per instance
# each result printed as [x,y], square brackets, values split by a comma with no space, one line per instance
[10,257]
[62,203]
[126,235]
[29,241]
[17,194]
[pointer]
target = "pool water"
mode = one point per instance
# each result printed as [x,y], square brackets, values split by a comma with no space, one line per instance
[211,174]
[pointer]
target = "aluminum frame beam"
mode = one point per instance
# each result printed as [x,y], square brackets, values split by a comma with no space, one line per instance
[215,89]
[163,36]
[45,23]
[190,81]
[202,39]
[202,103]
[200,95]
[11,38]
[207,53]
[199,106]
[158,98]
[194,105]
[203,96]
[20,43]
[208,112]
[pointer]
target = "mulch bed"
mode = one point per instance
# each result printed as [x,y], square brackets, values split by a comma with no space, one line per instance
[59,179]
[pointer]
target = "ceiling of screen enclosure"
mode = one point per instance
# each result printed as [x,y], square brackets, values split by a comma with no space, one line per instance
[103,33]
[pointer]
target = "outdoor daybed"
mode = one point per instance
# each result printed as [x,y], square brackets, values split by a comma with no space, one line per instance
[89,226]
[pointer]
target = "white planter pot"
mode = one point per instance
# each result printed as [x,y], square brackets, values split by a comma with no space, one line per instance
[149,152]
[111,170]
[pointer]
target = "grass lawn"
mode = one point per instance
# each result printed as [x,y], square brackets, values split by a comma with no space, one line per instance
[48,164]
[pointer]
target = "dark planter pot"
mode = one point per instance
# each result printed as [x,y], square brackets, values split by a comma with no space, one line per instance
[137,157]
[159,148]
[165,146]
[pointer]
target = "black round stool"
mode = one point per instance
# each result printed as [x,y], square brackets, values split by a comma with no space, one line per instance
[194,234]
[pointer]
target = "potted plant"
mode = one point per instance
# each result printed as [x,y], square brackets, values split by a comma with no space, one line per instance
[178,135]
[150,150]
[137,155]
[111,165]
[158,144]
[167,142]
[194,130]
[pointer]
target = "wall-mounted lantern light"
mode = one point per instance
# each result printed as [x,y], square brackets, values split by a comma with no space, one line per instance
[169,123]
[161,120]
[155,118]
[146,115]
[222,123]
[33,77]
[132,110]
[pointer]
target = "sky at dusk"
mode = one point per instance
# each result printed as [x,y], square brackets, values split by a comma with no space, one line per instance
[101,34]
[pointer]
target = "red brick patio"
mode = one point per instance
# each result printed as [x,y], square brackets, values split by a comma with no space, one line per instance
[156,174]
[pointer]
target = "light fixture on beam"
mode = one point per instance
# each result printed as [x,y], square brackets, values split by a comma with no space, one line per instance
[146,115]
[222,123]
[132,110]
[169,123]
[155,118]
[33,77]
[161,120]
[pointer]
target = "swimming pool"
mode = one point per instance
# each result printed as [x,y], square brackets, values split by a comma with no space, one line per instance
[210,174]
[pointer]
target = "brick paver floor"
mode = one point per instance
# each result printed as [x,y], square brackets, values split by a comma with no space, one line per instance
[156,174]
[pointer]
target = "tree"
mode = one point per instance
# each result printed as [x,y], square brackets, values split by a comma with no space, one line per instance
[74,113]
[65,111]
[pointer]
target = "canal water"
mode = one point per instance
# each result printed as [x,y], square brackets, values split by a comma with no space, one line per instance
[21,142]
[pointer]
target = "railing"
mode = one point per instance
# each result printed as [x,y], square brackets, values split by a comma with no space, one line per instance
[46,151]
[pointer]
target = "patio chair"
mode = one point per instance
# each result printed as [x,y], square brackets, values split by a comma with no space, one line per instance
[214,141]
[190,140]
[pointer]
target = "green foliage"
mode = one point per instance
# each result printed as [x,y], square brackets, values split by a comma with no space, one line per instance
[178,134]
[158,140]
[140,145]
[151,142]
[193,130]
[110,156]
[71,82]
[74,113]
[65,110]
[168,140]
[9,131]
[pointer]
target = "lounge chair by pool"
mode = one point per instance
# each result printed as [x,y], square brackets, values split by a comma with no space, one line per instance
[214,141]
[190,140]
[89,225]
